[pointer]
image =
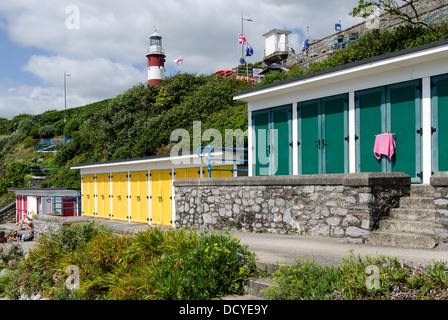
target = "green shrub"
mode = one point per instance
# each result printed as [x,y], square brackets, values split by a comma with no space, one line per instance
[14,176]
[47,131]
[154,264]
[390,279]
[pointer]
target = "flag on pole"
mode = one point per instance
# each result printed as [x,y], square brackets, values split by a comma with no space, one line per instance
[241,39]
[178,61]
[249,50]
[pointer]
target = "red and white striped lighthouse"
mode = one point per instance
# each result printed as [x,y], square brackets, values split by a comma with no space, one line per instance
[156,60]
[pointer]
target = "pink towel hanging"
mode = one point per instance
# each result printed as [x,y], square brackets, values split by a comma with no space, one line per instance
[384,144]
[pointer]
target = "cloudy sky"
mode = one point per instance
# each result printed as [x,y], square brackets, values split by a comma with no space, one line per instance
[102,44]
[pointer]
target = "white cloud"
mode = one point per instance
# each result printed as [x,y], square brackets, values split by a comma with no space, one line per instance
[96,77]
[113,37]
[36,99]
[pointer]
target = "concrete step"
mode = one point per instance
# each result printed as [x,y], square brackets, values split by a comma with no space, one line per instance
[242,297]
[254,286]
[407,226]
[403,240]
[417,203]
[412,214]
[422,190]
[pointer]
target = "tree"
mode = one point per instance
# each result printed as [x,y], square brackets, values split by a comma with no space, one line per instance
[407,12]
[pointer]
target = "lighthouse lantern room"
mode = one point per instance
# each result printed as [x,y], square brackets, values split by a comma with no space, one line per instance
[156,60]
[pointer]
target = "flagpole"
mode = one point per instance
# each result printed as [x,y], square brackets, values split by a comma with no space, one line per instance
[242,33]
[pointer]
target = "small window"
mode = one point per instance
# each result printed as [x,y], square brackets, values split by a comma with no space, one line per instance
[155,41]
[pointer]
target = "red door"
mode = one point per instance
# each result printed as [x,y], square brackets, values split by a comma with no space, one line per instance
[68,206]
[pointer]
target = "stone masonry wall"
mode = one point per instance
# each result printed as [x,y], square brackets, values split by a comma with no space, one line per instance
[440,183]
[340,205]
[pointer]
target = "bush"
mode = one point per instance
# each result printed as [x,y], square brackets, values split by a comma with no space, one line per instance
[14,176]
[154,264]
[355,280]
[46,132]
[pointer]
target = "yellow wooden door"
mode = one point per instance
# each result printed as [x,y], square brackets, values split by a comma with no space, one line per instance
[88,195]
[161,202]
[221,174]
[187,173]
[103,195]
[120,195]
[139,196]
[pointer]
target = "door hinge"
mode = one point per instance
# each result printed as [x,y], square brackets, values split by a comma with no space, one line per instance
[420,175]
[419,131]
[347,138]
[433,129]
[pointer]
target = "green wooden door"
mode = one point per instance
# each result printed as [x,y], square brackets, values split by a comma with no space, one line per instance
[404,121]
[439,113]
[370,121]
[281,141]
[309,137]
[261,142]
[322,128]
[272,141]
[396,109]
[334,125]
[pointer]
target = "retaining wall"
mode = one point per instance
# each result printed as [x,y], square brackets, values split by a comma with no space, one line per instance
[337,205]
[439,181]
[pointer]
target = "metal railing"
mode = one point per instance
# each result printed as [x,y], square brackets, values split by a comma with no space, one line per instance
[50,144]
[345,41]
[438,17]
[42,170]
[76,204]
[208,152]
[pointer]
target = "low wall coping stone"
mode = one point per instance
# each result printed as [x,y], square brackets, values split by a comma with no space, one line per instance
[439,179]
[347,179]
[60,218]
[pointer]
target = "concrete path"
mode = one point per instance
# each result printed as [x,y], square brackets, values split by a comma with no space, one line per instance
[278,248]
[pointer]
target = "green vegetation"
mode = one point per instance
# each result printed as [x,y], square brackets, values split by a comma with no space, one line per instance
[155,264]
[359,278]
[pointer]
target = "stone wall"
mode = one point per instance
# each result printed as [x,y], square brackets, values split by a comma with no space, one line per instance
[339,205]
[440,183]
[50,223]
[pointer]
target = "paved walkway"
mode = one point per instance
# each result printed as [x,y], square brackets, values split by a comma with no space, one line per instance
[276,248]
[272,248]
